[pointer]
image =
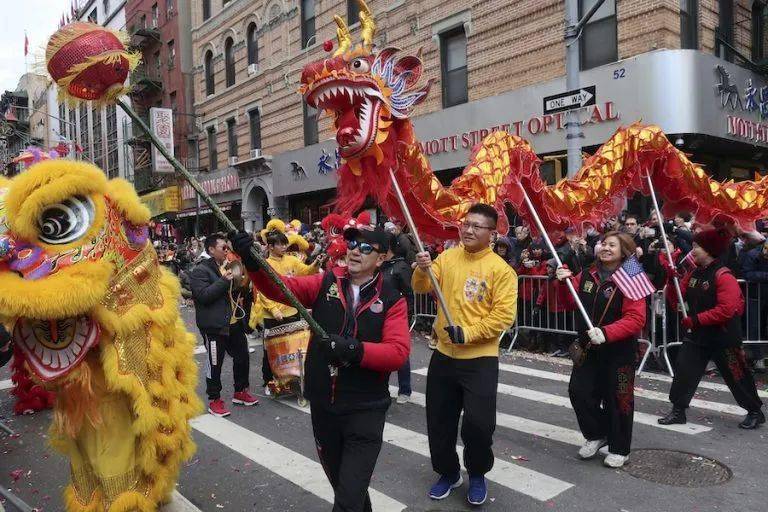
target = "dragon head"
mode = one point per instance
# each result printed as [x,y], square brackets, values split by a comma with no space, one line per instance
[65,234]
[366,93]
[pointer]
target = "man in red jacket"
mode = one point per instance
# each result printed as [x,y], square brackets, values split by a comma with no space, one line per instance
[366,319]
[715,306]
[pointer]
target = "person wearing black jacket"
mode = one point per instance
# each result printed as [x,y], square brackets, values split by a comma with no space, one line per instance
[222,311]
[347,373]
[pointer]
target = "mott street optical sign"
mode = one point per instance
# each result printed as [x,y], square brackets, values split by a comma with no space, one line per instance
[570,100]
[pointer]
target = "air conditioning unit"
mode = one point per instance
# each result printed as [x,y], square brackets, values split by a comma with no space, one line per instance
[232,160]
[256,153]
[253,69]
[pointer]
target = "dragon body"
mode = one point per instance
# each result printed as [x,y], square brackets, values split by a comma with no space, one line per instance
[371,95]
[95,319]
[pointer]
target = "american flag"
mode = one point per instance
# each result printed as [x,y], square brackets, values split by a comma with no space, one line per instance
[688,262]
[632,281]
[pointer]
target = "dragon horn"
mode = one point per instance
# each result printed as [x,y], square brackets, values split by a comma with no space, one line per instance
[343,35]
[367,24]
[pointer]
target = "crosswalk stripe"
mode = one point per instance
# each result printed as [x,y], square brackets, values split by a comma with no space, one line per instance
[298,469]
[6,384]
[179,504]
[518,423]
[561,401]
[640,392]
[537,485]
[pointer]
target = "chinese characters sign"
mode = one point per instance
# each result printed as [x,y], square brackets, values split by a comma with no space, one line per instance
[753,103]
[161,123]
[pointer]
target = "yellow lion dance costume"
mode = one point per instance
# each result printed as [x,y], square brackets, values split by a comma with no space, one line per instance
[97,320]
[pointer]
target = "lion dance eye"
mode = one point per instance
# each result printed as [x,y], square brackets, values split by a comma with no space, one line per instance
[67,221]
[360,65]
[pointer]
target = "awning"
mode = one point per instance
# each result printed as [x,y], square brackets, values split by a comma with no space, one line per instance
[204,210]
[163,201]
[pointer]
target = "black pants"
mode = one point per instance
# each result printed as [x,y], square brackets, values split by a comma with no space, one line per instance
[271,323]
[348,446]
[690,365]
[454,385]
[236,346]
[602,392]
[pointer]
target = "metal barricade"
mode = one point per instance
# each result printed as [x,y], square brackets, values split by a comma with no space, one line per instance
[424,306]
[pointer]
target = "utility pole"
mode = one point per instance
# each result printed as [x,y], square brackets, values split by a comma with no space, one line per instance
[573,29]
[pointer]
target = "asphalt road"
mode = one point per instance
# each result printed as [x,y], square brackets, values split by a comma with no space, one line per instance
[263,458]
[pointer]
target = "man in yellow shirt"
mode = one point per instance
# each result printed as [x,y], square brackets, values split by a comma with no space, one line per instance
[480,290]
[275,313]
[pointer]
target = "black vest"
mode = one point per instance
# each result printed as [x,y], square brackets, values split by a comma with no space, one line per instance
[596,296]
[354,388]
[700,296]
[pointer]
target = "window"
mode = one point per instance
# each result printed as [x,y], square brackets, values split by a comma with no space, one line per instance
[759,31]
[143,21]
[453,61]
[724,30]
[72,125]
[98,139]
[252,41]
[307,22]
[158,64]
[62,120]
[169,8]
[310,125]
[84,132]
[113,170]
[105,4]
[229,61]
[689,24]
[206,9]
[155,16]
[209,85]
[213,160]
[254,120]
[599,40]
[171,54]
[232,137]
[353,12]
[173,101]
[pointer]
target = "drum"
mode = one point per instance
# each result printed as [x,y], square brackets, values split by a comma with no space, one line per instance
[286,347]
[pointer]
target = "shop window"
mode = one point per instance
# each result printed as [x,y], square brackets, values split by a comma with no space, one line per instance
[599,39]
[453,61]
[171,54]
[210,88]
[232,137]
[307,22]
[689,24]
[759,31]
[206,9]
[254,120]
[253,44]
[353,12]
[229,61]
[724,30]
[213,157]
[310,125]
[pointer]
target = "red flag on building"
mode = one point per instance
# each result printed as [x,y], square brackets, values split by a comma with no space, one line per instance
[26,44]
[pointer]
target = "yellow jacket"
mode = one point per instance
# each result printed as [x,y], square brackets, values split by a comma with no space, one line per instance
[286,266]
[481,293]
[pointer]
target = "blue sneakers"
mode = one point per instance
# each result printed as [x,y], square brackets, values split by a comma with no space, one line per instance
[478,491]
[444,485]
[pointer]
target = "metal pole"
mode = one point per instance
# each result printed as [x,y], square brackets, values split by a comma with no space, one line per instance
[420,246]
[273,276]
[660,220]
[552,250]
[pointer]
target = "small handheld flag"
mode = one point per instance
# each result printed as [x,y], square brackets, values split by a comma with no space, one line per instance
[632,280]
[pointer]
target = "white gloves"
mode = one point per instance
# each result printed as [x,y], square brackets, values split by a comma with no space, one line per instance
[563,273]
[596,336]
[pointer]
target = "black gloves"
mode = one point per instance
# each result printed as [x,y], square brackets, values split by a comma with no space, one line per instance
[242,243]
[344,351]
[456,333]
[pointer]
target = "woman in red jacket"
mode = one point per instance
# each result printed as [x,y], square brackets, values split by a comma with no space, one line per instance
[602,387]
[715,305]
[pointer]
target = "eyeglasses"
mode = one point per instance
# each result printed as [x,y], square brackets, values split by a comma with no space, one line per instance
[466,226]
[363,247]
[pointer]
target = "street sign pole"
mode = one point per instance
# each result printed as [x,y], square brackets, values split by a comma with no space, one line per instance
[573,29]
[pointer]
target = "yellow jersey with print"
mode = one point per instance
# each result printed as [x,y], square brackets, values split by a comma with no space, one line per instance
[286,266]
[480,290]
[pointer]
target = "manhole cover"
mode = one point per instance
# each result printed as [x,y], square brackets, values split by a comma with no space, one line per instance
[680,469]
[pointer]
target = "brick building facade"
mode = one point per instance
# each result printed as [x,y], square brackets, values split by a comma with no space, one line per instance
[248,56]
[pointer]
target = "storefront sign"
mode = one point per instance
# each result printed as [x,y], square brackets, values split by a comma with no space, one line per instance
[161,123]
[220,183]
[752,104]
[752,131]
[162,201]
[528,129]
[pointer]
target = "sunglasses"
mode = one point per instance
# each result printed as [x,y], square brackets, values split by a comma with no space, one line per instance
[363,247]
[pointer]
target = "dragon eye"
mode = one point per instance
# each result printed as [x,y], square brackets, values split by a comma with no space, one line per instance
[65,222]
[360,65]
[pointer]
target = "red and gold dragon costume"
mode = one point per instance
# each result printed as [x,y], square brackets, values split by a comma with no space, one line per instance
[371,95]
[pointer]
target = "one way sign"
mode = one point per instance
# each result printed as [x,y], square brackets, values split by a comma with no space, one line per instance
[570,100]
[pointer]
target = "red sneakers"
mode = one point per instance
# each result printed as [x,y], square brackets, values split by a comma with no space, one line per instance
[217,408]
[244,398]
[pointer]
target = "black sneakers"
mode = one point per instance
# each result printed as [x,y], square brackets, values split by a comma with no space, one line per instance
[753,420]
[675,417]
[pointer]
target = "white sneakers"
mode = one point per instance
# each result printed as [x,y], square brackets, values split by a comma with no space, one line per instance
[590,448]
[612,460]
[403,399]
